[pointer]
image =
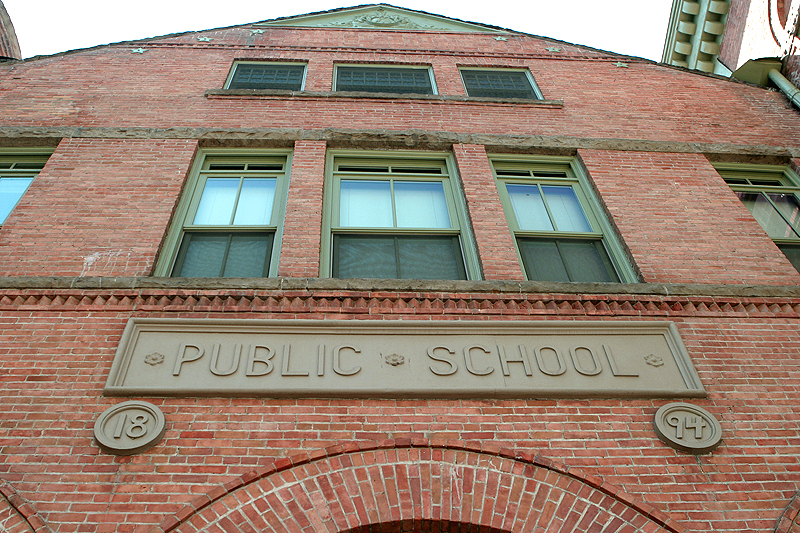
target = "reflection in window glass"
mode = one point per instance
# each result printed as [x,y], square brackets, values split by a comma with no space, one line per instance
[254,207]
[529,208]
[789,207]
[364,204]
[566,210]
[217,202]
[766,214]
[421,205]
[11,190]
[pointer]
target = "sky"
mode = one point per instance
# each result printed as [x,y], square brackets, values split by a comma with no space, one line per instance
[44,27]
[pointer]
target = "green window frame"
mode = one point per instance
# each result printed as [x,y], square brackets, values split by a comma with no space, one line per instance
[394,79]
[772,195]
[229,222]
[260,75]
[394,217]
[499,83]
[17,172]
[555,223]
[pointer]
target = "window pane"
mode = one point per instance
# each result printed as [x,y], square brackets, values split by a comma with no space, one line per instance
[542,260]
[766,215]
[792,253]
[787,204]
[244,255]
[364,256]
[566,209]
[201,255]
[216,204]
[266,76]
[248,256]
[430,257]
[420,205]
[11,190]
[398,257]
[576,260]
[587,261]
[255,202]
[529,208]
[497,84]
[365,204]
[388,80]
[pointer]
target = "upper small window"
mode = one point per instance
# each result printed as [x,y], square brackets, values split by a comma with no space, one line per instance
[16,174]
[385,79]
[264,75]
[772,195]
[499,83]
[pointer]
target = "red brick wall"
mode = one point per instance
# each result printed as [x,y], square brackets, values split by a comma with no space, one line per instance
[59,347]
[681,222]
[492,234]
[601,100]
[302,228]
[99,207]
[104,201]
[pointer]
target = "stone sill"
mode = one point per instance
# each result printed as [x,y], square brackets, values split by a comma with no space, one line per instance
[394,285]
[274,93]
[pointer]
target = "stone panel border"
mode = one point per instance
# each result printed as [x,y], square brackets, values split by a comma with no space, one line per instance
[360,485]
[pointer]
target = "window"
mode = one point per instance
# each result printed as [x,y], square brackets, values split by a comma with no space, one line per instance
[499,83]
[265,75]
[16,175]
[558,235]
[395,218]
[385,79]
[231,219]
[772,194]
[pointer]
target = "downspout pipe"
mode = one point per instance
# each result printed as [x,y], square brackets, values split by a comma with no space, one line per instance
[791,92]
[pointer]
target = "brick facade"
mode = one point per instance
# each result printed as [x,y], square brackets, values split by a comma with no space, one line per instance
[125,129]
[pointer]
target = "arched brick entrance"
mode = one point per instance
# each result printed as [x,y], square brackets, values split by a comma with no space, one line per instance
[789,522]
[418,486]
[17,515]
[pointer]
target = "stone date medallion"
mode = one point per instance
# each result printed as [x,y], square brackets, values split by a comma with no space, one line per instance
[688,428]
[129,428]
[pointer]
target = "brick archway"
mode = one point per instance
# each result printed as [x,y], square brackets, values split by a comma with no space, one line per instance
[17,515]
[789,522]
[417,485]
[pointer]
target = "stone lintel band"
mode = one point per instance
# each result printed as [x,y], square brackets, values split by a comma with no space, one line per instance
[22,136]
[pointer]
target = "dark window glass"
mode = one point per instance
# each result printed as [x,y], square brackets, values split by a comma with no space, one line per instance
[498,84]
[792,253]
[384,80]
[398,257]
[267,76]
[577,260]
[778,214]
[224,254]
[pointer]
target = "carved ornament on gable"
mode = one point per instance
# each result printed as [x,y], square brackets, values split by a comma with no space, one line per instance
[380,18]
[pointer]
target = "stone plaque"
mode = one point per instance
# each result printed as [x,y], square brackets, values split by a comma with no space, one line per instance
[402,359]
[688,428]
[129,428]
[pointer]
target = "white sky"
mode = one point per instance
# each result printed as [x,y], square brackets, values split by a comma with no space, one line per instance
[43,27]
